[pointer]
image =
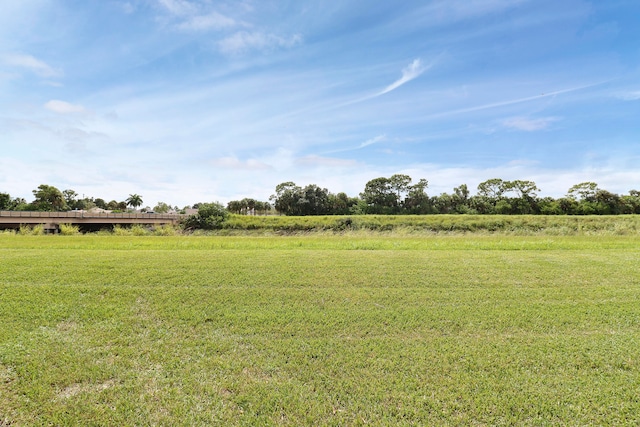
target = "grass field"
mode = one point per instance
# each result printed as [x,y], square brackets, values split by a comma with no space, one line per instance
[319,330]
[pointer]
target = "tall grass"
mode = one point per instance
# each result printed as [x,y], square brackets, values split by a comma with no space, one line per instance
[510,224]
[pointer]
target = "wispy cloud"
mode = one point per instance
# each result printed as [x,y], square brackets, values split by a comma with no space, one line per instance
[178,7]
[321,161]
[192,16]
[210,21]
[528,124]
[62,107]
[513,101]
[30,63]
[237,164]
[629,96]
[373,141]
[243,41]
[412,71]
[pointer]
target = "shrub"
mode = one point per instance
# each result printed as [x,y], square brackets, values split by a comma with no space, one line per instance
[69,229]
[210,216]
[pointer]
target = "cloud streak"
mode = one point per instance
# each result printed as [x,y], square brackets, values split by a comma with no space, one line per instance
[31,63]
[62,107]
[244,41]
[411,72]
[372,141]
[210,21]
[527,124]
[512,101]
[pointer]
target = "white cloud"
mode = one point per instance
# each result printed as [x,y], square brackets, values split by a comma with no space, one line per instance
[630,96]
[237,164]
[243,41]
[62,107]
[211,21]
[191,16]
[373,141]
[527,124]
[412,71]
[178,7]
[320,161]
[30,63]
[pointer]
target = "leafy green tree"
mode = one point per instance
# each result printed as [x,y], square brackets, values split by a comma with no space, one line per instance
[210,216]
[607,203]
[286,198]
[314,201]
[70,197]
[526,200]
[49,198]
[444,203]
[134,200]
[583,191]
[461,200]
[400,184]
[492,188]
[100,203]
[341,204]
[162,207]
[417,200]
[235,206]
[379,195]
[5,201]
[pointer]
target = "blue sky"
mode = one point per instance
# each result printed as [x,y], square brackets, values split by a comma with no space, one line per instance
[186,101]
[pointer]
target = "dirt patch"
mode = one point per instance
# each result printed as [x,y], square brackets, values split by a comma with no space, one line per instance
[78,388]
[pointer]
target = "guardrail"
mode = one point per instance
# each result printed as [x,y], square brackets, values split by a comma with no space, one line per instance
[87,215]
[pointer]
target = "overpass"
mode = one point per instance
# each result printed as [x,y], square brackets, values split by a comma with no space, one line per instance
[87,220]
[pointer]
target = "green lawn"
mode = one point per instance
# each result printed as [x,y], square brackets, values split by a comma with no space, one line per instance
[319,330]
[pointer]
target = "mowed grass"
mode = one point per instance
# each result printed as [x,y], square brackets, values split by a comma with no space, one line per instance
[319,330]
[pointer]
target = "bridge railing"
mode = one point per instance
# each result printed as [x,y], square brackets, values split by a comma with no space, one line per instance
[85,214]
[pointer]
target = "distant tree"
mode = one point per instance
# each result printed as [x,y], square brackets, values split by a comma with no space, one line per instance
[341,204]
[583,191]
[444,203]
[162,207]
[417,201]
[526,200]
[100,203]
[113,205]
[5,201]
[314,201]
[286,198]
[492,188]
[461,199]
[235,206]
[70,197]
[400,185]
[379,195]
[608,203]
[134,200]
[48,198]
[631,203]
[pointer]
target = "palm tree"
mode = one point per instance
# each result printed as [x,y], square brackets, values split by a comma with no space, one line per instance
[134,200]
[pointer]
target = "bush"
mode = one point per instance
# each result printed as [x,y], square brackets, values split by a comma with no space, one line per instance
[69,229]
[35,230]
[210,216]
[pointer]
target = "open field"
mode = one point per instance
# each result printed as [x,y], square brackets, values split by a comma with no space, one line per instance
[320,330]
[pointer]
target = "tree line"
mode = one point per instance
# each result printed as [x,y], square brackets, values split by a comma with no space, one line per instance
[396,195]
[48,198]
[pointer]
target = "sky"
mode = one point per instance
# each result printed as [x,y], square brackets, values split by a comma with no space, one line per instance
[187,101]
